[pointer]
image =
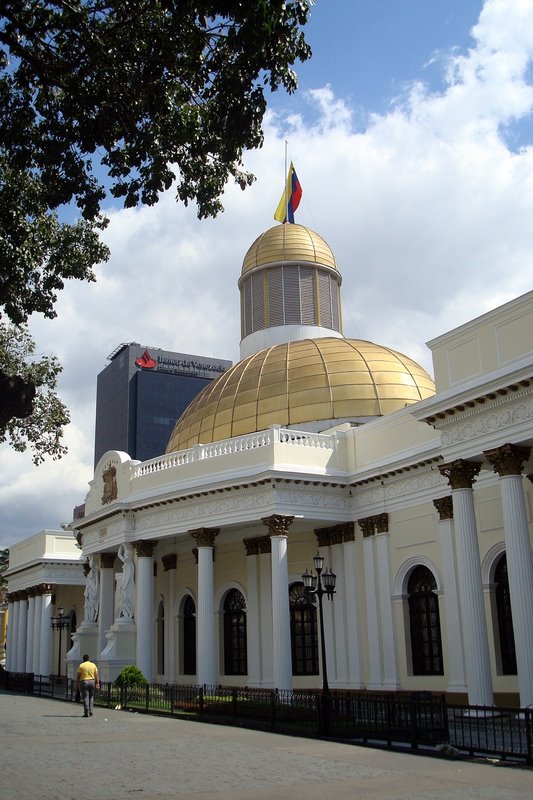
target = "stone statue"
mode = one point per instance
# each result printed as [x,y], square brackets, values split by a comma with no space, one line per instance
[92,586]
[127,590]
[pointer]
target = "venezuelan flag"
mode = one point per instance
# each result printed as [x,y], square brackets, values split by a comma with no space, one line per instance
[290,199]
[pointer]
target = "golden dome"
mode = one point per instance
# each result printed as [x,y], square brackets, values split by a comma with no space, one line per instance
[300,382]
[286,243]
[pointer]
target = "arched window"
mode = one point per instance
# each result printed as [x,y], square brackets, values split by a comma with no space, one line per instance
[188,637]
[304,637]
[235,658]
[160,664]
[426,646]
[505,618]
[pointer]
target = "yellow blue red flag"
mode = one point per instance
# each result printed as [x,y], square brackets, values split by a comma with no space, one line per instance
[290,199]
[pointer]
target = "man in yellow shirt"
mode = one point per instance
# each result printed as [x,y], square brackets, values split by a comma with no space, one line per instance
[88,681]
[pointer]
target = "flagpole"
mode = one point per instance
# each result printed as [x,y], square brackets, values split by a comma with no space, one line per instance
[286,192]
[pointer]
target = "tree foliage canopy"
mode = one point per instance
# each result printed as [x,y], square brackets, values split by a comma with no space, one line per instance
[42,429]
[130,96]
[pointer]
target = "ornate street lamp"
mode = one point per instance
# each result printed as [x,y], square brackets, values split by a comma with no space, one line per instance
[60,623]
[323,583]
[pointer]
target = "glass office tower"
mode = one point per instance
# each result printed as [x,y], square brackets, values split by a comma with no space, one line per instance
[141,393]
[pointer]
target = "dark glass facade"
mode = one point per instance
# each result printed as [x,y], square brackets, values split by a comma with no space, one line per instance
[137,406]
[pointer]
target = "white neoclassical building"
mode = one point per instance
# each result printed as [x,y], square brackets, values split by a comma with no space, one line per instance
[417,494]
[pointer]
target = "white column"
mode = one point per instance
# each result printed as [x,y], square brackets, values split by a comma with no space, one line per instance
[281,621]
[507,462]
[253,628]
[353,626]
[106,611]
[375,674]
[388,638]
[329,632]
[265,589]
[206,661]
[454,635]
[45,663]
[29,635]
[22,634]
[461,475]
[10,660]
[37,632]
[144,602]
[15,634]
[170,562]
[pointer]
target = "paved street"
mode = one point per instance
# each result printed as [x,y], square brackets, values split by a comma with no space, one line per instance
[48,750]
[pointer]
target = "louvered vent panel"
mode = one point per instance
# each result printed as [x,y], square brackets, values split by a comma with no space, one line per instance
[291,291]
[258,301]
[324,299]
[307,296]
[247,307]
[275,297]
[335,304]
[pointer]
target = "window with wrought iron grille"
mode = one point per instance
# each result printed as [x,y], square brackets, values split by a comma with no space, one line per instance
[424,619]
[304,634]
[235,657]
[505,619]
[188,638]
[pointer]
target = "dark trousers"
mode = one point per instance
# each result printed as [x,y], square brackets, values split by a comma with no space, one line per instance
[87,694]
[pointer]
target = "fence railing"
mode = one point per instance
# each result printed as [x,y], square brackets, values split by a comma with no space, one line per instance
[391,719]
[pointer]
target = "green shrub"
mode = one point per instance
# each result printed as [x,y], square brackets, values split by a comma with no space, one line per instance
[130,676]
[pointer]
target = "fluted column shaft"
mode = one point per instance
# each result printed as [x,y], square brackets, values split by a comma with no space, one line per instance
[22,635]
[29,635]
[170,563]
[461,475]
[144,608]
[37,632]
[253,628]
[10,659]
[507,462]
[106,612]
[206,661]
[15,634]
[375,676]
[281,622]
[455,649]
[265,578]
[45,645]
[353,627]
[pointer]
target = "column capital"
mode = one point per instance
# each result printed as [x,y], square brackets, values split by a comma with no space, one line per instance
[507,459]
[444,506]
[367,526]
[145,548]
[335,534]
[47,588]
[251,545]
[170,561]
[382,523]
[107,560]
[204,537]
[461,474]
[277,524]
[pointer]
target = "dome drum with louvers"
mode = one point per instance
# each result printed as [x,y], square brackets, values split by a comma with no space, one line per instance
[296,368]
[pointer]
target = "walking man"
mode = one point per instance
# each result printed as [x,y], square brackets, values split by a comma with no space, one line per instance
[88,681]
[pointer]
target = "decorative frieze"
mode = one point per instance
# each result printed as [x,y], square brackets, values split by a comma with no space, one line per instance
[461,474]
[444,506]
[508,459]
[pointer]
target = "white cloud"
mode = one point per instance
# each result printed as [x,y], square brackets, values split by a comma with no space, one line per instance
[427,209]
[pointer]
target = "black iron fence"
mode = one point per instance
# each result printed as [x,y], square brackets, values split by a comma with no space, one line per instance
[393,719]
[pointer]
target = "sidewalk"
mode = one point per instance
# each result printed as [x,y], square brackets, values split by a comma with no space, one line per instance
[48,750]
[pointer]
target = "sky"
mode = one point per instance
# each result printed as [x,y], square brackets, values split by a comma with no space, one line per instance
[412,137]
